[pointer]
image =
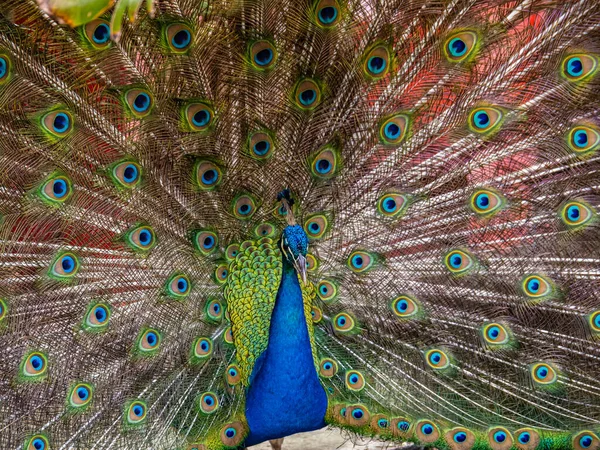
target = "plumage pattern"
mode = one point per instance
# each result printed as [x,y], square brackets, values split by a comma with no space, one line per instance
[442,161]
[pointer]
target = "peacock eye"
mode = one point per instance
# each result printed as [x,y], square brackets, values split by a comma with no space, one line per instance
[585,439]
[427,431]
[5,66]
[327,291]
[328,368]
[233,375]
[543,374]
[3,310]
[139,102]
[594,320]
[401,425]
[437,359]
[214,310]
[495,333]
[263,55]
[56,190]
[261,145]
[485,119]
[228,336]
[459,262]
[81,395]
[127,174]
[244,207]
[582,139]
[97,32]
[38,442]
[179,286]
[405,307]
[355,381]
[203,348]
[265,230]
[327,13]
[360,261]
[58,123]
[97,317]
[393,130]
[499,435]
[136,412]
[377,62]
[316,226]
[205,241]
[179,37]
[65,266]
[486,202]
[231,434]
[149,341]
[459,47]
[208,403]
[34,365]
[307,94]
[208,175]
[311,263]
[528,438]
[579,66]
[198,116]
[576,214]
[343,323]
[316,314]
[536,286]
[141,238]
[325,163]
[392,204]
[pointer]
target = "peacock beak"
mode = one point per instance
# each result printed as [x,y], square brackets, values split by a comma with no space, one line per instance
[300,266]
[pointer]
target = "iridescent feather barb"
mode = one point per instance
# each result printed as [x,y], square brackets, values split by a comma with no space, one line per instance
[433,163]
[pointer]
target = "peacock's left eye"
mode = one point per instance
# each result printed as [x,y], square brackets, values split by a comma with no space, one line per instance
[38,442]
[263,55]
[208,403]
[136,412]
[97,32]
[149,341]
[179,37]
[56,190]
[360,261]
[355,381]
[233,375]
[58,123]
[437,359]
[81,395]
[261,145]
[141,238]
[377,62]
[536,286]
[139,102]
[485,119]
[327,290]
[325,163]
[199,116]
[316,226]
[579,66]
[485,202]
[343,323]
[327,13]
[328,368]
[34,365]
[543,373]
[583,139]
[179,286]
[460,46]
[127,174]
[65,266]
[214,310]
[392,204]
[244,207]
[458,262]
[307,94]
[576,214]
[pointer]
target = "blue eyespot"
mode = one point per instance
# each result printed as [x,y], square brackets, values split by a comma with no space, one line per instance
[323,290]
[138,410]
[217,307]
[308,96]
[152,339]
[130,173]
[533,285]
[357,413]
[201,118]
[3,67]
[181,39]
[327,366]
[59,188]
[499,436]
[524,437]
[101,34]
[483,201]
[208,242]
[61,122]
[232,372]
[580,138]
[39,444]
[402,306]
[353,379]
[542,372]
[460,437]
[36,362]
[586,441]
[314,227]
[230,432]
[575,66]
[597,321]
[357,261]
[481,119]
[573,212]
[426,429]
[261,148]
[392,131]
[436,357]
[493,332]
[376,64]
[456,261]
[327,15]
[244,209]
[403,425]
[100,314]
[83,393]
[264,57]
[323,166]
[182,285]
[341,321]
[209,400]
[68,264]
[457,47]
[142,102]
[209,176]
[145,236]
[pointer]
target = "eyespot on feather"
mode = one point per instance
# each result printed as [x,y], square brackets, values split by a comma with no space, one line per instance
[5,68]
[97,33]
[583,139]
[460,438]
[316,314]
[263,55]
[401,427]
[56,190]
[141,238]
[460,47]
[58,123]
[576,214]
[526,439]
[307,94]
[244,206]
[198,116]
[495,334]
[543,374]
[228,336]
[585,440]
[232,434]
[261,145]
[355,381]
[206,241]
[214,310]
[3,310]
[579,66]
[202,348]
[139,102]
[34,366]
[499,438]
[459,262]
[328,368]
[486,202]
[405,307]
[208,175]
[135,412]
[37,442]
[80,395]
[126,174]
[392,204]
[327,13]
[357,415]
[536,287]
[222,272]
[393,130]
[343,323]
[65,266]
[233,375]
[437,359]
[325,163]
[361,261]
[179,37]
[266,229]
[178,286]
[427,431]
[316,226]
[149,341]
[208,403]
[311,263]
[97,317]
[484,120]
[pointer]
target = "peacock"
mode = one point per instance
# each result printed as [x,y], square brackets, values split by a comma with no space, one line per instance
[224,222]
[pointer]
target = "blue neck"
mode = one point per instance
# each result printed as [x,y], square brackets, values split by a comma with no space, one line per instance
[285,395]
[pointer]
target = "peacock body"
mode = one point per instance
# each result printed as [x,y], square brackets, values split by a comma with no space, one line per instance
[223,223]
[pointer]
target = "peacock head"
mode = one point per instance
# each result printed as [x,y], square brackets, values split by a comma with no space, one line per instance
[294,242]
[294,245]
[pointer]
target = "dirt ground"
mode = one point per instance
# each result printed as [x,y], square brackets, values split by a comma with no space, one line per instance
[326,439]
